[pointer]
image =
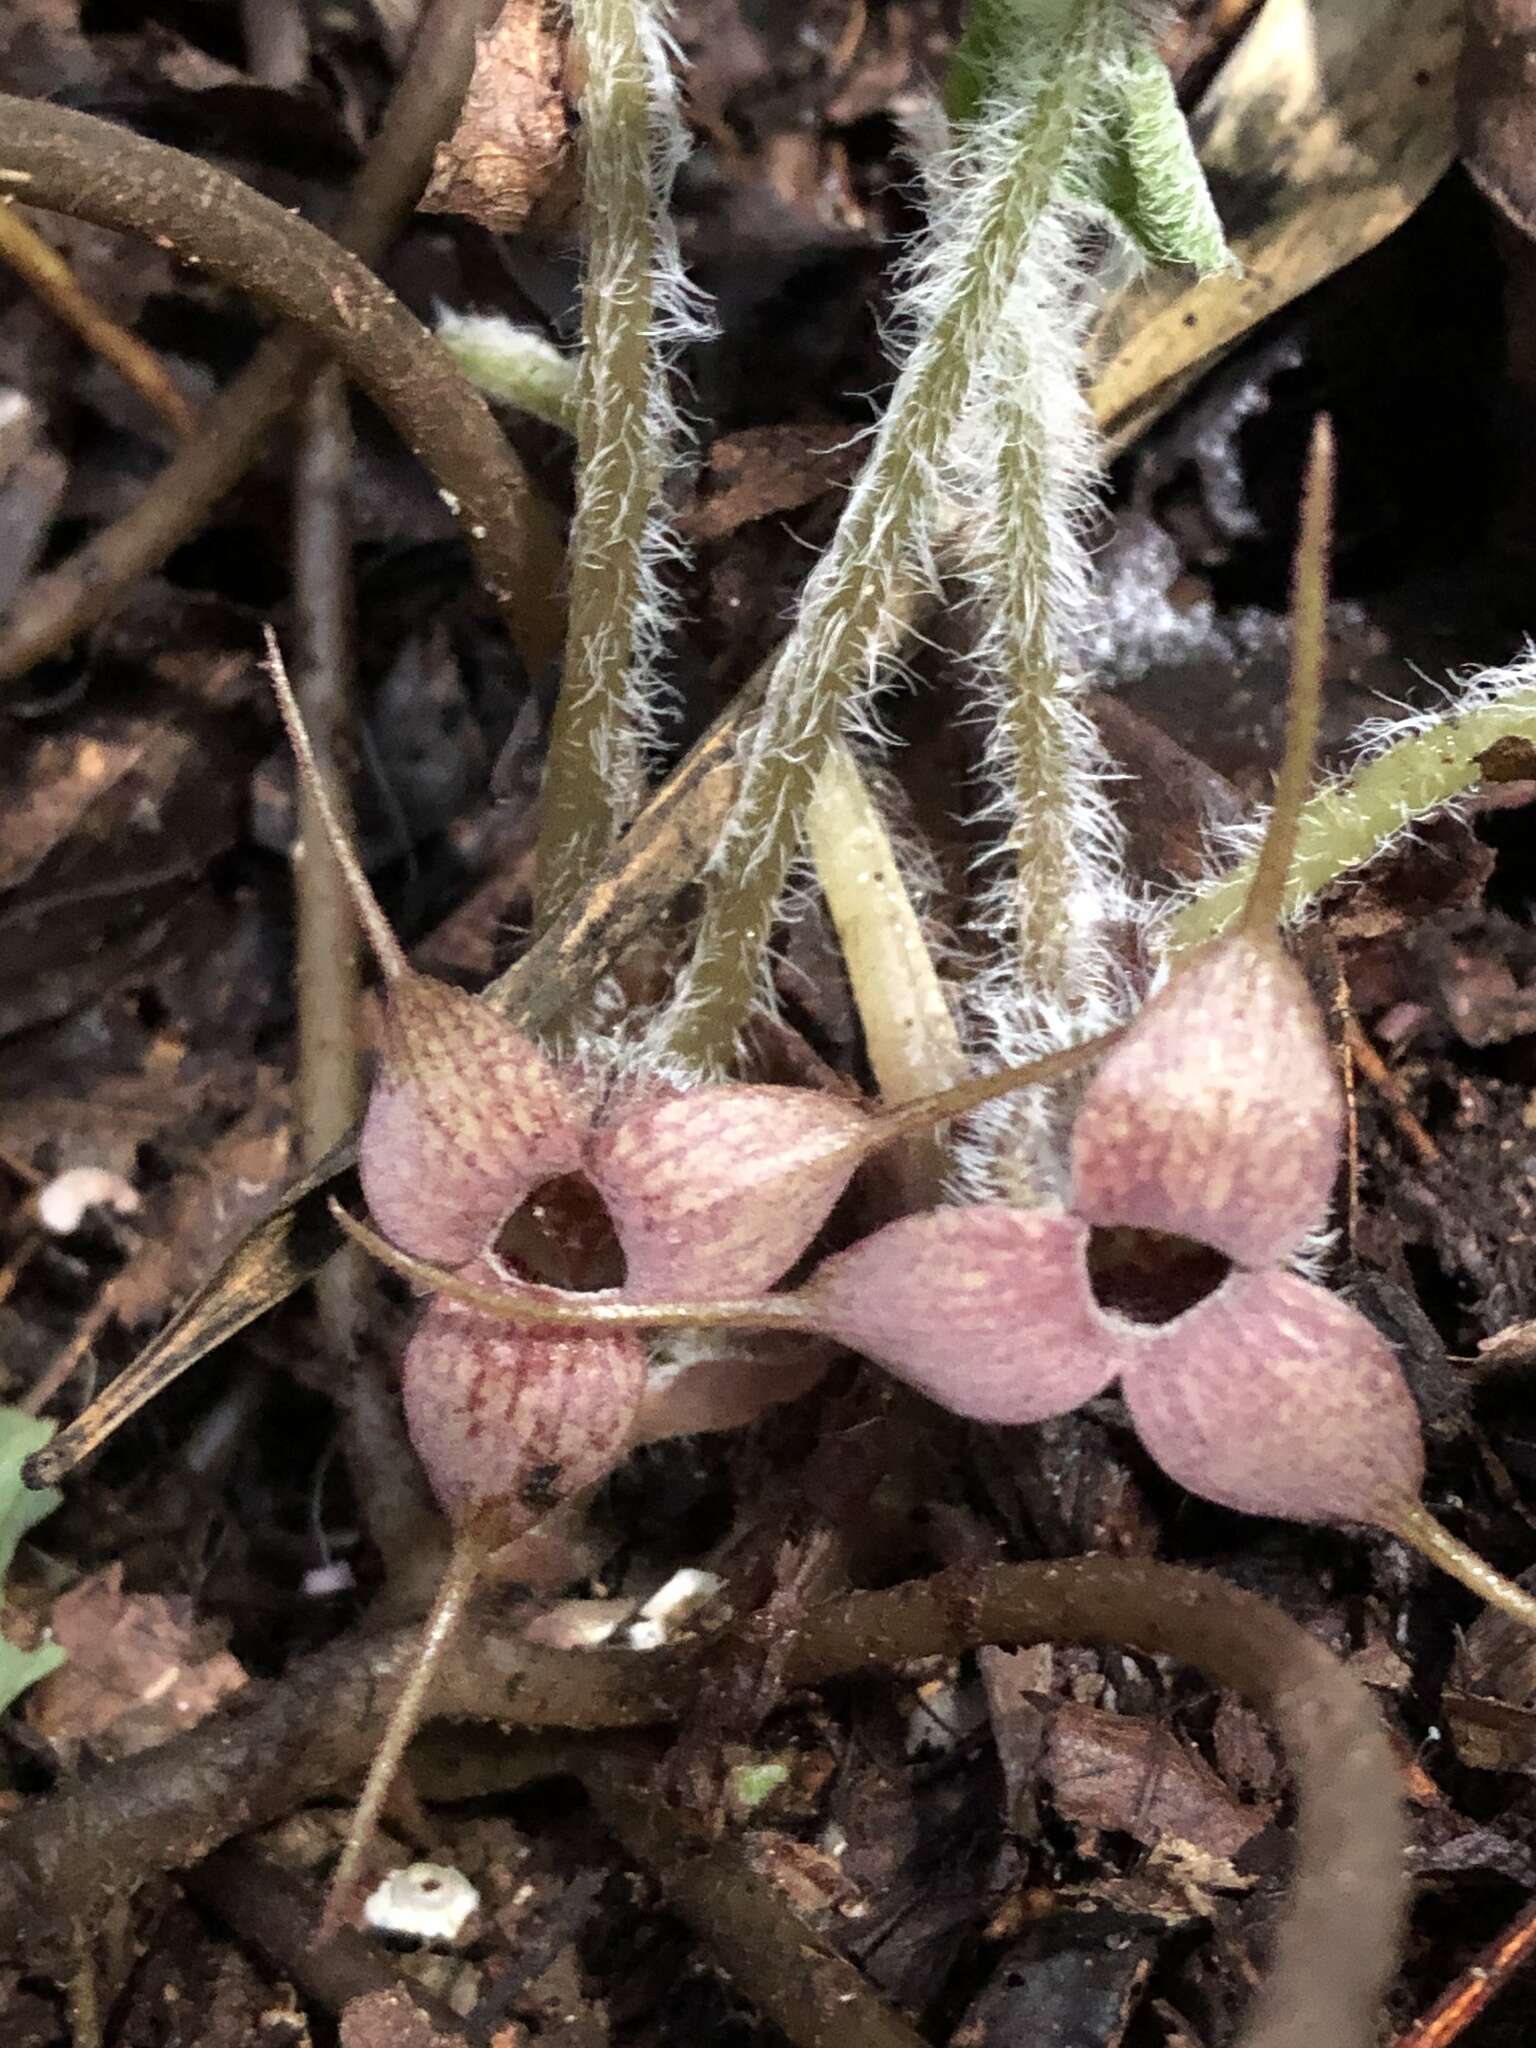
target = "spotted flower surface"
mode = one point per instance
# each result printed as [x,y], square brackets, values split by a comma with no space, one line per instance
[714,1191]
[1214,1123]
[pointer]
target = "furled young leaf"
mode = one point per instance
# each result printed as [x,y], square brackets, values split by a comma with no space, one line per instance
[1145,175]
[21,1510]
[1149,177]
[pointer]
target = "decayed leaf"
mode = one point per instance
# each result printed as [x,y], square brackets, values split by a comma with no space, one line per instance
[1109,1771]
[1323,132]
[137,1670]
[510,158]
[1496,106]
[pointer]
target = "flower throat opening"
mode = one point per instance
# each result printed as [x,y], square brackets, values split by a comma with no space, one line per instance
[562,1237]
[1149,1276]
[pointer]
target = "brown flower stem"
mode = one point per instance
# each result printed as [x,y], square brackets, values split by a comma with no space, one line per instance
[66,1856]
[970,1094]
[44,271]
[1309,639]
[1412,1523]
[470,1552]
[90,583]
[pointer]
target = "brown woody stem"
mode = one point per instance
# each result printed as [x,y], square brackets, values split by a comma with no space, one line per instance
[67,1857]
[93,170]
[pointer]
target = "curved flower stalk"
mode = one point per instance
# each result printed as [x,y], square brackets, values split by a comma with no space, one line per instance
[637,310]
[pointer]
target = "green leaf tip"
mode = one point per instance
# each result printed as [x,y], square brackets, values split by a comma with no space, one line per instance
[1149,177]
[21,1509]
[1144,174]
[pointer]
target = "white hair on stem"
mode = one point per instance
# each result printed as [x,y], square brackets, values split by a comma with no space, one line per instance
[1026,473]
[1403,770]
[1003,180]
[638,311]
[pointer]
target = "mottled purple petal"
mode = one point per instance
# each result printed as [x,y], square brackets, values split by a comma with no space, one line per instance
[466,1118]
[514,1418]
[987,1309]
[719,1191]
[1277,1398]
[1219,1116]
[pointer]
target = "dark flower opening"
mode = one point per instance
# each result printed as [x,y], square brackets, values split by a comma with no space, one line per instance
[1150,1276]
[562,1236]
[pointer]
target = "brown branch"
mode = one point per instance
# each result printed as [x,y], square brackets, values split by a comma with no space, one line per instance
[65,1857]
[92,582]
[792,1974]
[274,1912]
[1489,1973]
[45,272]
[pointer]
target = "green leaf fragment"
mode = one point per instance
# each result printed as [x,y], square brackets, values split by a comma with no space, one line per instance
[1149,177]
[20,1510]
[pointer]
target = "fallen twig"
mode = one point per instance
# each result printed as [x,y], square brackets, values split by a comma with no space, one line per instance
[1479,1984]
[89,584]
[67,1855]
[46,273]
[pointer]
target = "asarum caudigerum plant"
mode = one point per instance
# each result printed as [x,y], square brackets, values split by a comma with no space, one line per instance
[1140,1230]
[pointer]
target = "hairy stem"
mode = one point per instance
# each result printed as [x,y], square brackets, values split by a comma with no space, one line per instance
[89,584]
[73,163]
[829,662]
[1411,768]
[623,429]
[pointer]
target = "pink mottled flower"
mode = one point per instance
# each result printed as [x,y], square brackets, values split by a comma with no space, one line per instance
[1207,1143]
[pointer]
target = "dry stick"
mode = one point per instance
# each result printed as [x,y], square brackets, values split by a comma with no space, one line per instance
[91,583]
[45,273]
[1475,1989]
[94,171]
[68,1855]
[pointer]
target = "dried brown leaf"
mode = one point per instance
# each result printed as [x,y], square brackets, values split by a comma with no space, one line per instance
[510,160]
[140,1670]
[1109,1771]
